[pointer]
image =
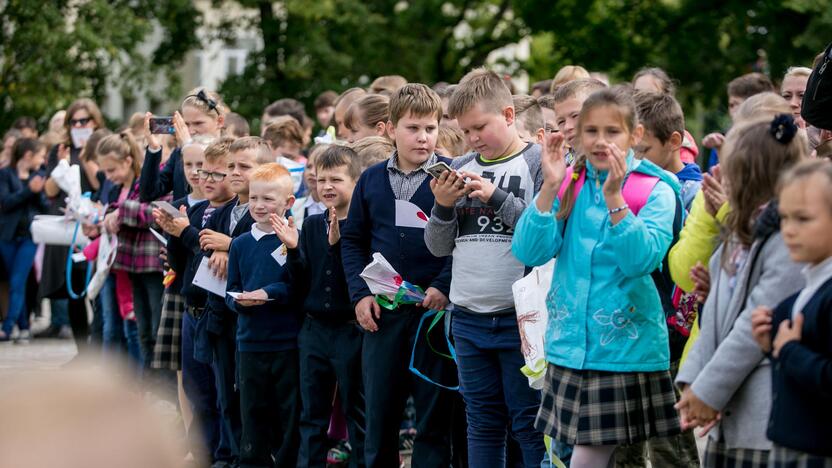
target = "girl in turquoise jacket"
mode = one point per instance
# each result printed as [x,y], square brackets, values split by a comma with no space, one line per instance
[607,382]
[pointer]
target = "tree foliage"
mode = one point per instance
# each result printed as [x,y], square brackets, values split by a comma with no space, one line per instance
[53,52]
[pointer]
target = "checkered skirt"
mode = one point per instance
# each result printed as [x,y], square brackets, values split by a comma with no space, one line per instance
[606,408]
[166,351]
[718,455]
[784,457]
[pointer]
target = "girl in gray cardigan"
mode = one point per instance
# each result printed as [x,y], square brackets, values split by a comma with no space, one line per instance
[726,379]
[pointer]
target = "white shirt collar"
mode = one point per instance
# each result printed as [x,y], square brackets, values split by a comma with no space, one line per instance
[815,277]
[258,233]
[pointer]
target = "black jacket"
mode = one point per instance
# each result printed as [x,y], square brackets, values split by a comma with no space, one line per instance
[802,379]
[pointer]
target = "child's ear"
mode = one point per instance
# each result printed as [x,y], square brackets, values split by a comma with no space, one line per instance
[541,135]
[290,202]
[391,130]
[508,114]
[675,141]
[220,121]
[638,134]
[381,128]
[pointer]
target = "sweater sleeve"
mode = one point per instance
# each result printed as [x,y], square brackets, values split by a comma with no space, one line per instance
[154,182]
[441,231]
[810,369]
[641,242]
[696,243]
[234,282]
[537,236]
[134,213]
[738,354]
[355,244]
[297,266]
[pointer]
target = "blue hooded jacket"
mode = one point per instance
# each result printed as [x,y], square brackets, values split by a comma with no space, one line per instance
[604,311]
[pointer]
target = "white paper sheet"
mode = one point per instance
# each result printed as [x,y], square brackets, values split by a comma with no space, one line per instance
[159,237]
[410,215]
[168,208]
[207,280]
[236,295]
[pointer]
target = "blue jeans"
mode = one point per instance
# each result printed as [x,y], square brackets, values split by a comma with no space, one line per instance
[59,313]
[118,335]
[18,256]
[497,395]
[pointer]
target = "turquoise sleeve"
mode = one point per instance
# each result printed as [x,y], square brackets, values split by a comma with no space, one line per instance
[537,236]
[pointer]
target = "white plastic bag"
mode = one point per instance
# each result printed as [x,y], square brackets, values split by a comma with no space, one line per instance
[532,316]
[107,247]
[56,230]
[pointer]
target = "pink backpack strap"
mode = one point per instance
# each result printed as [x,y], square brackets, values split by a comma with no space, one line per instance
[567,179]
[637,189]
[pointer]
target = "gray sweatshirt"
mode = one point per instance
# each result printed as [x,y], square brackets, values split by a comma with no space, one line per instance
[478,235]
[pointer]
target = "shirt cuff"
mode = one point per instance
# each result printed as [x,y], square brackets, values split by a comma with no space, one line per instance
[497,198]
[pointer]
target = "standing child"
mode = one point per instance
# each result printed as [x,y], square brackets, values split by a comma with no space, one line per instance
[472,221]
[802,347]
[202,112]
[329,340]
[267,327]
[21,198]
[568,101]
[138,251]
[378,221]
[726,380]
[285,137]
[608,380]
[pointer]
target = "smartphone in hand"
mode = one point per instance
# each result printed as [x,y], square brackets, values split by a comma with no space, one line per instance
[161,125]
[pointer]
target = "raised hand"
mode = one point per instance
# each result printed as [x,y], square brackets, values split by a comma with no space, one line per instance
[286,230]
[334,229]
[448,188]
[149,137]
[617,171]
[552,160]
[180,130]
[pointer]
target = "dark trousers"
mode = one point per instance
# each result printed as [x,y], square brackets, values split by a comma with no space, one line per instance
[497,395]
[200,386]
[387,383]
[147,304]
[270,408]
[330,357]
[224,351]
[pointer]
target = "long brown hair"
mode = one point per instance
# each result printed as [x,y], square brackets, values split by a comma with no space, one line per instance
[120,146]
[88,105]
[623,103]
[752,161]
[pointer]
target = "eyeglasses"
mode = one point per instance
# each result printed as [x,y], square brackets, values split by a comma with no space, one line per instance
[81,122]
[212,176]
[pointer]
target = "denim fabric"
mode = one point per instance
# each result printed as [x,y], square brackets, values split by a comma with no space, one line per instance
[18,256]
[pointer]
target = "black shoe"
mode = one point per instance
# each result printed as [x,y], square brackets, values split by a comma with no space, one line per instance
[49,332]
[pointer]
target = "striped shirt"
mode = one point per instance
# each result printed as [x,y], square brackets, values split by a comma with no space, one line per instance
[405,185]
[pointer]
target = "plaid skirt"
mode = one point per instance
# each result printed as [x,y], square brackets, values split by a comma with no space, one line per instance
[166,351]
[606,408]
[717,455]
[784,457]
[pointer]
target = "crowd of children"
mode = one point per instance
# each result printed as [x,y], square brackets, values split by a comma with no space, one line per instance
[687,291]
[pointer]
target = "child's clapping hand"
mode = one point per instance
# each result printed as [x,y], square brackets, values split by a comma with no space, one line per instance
[286,230]
[169,224]
[448,188]
[713,140]
[617,171]
[713,191]
[334,228]
[552,160]
[761,327]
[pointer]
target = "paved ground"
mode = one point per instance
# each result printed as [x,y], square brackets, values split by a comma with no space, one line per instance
[38,355]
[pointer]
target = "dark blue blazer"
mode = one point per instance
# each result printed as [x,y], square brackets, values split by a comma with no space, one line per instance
[371,227]
[18,204]
[155,183]
[802,379]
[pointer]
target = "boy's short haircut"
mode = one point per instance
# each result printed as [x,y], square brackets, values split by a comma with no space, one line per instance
[372,150]
[25,122]
[483,87]
[202,141]
[583,87]
[545,87]
[337,156]
[443,89]
[660,114]
[218,150]
[270,173]
[284,130]
[259,145]
[238,123]
[387,84]
[527,112]
[417,100]
[286,106]
[567,74]
[668,86]
[316,151]
[451,138]
[547,101]
[750,84]
[325,99]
